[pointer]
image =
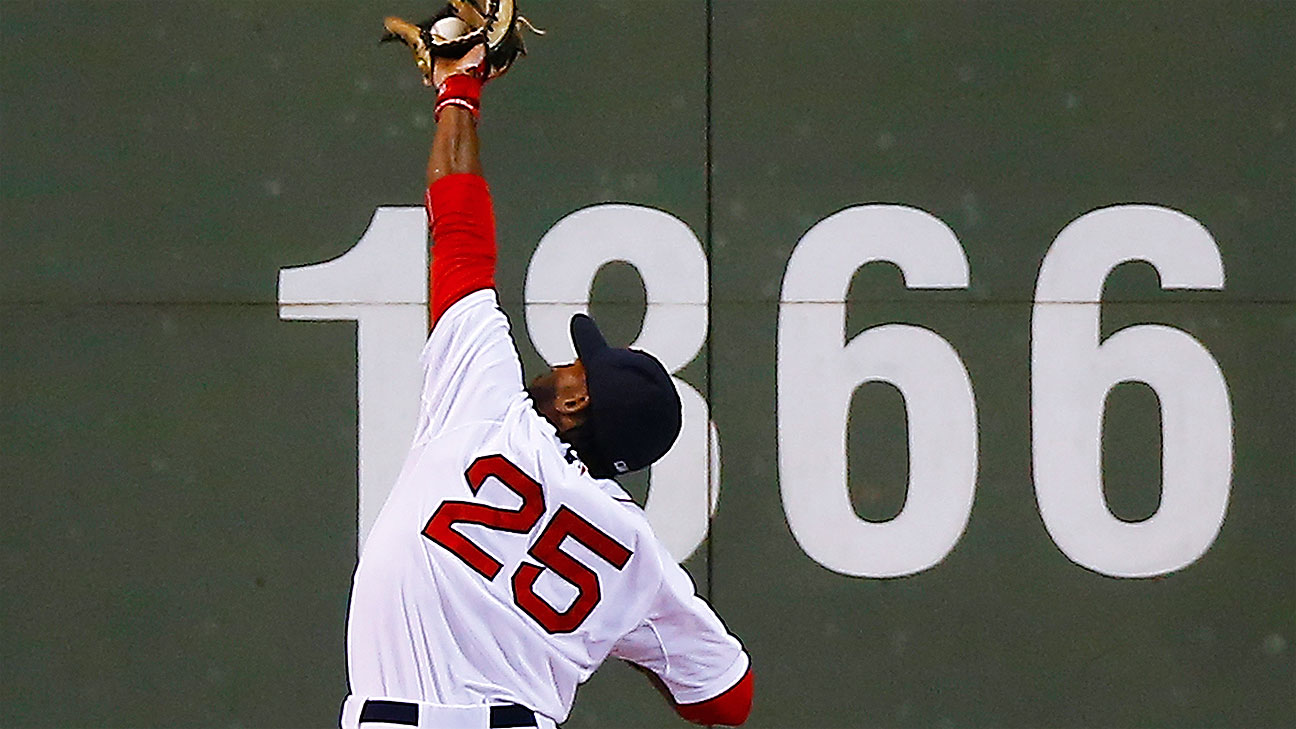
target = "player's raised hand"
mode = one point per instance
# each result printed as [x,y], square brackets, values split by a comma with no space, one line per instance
[472,63]
[460,27]
[437,68]
[459,81]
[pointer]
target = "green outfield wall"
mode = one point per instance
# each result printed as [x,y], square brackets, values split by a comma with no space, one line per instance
[983,314]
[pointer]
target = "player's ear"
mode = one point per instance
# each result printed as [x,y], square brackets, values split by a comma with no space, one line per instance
[574,403]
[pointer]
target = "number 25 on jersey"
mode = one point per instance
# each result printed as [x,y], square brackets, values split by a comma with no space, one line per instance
[546,550]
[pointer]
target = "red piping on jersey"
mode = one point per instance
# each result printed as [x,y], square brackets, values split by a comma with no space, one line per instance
[463,251]
[730,708]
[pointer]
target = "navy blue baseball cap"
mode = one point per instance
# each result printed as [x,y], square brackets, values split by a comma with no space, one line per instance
[634,408]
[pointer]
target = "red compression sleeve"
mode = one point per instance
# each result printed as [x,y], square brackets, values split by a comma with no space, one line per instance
[462,222]
[730,708]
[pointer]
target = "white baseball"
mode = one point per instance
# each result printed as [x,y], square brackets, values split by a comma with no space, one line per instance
[449,28]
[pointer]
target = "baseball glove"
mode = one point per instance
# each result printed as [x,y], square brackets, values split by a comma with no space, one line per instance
[460,26]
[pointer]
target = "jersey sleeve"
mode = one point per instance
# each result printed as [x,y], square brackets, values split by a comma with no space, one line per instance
[683,641]
[471,369]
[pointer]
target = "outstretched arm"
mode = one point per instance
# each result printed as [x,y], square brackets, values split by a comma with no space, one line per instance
[454,146]
[460,215]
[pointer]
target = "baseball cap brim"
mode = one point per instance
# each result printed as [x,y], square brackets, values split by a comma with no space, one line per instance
[586,338]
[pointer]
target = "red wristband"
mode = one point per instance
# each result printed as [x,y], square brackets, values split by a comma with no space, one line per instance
[460,90]
[462,103]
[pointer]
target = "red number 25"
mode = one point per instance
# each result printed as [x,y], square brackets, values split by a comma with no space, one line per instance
[546,550]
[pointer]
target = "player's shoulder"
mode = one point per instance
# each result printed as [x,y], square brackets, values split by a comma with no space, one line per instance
[603,502]
[604,494]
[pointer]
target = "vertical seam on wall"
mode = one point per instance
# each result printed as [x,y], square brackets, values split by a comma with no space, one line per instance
[710,541]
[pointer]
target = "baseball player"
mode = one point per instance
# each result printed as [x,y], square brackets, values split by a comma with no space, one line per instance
[506,565]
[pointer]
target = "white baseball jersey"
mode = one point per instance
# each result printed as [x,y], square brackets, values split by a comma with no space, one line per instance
[499,570]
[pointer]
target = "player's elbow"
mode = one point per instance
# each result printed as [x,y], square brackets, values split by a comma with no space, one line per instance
[728,709]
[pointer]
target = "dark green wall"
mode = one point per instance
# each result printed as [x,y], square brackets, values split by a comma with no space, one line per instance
[177,464]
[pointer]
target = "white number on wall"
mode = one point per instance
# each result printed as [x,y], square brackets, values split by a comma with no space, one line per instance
[1072,372]
[818,371]
[381,283]
[673,266]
